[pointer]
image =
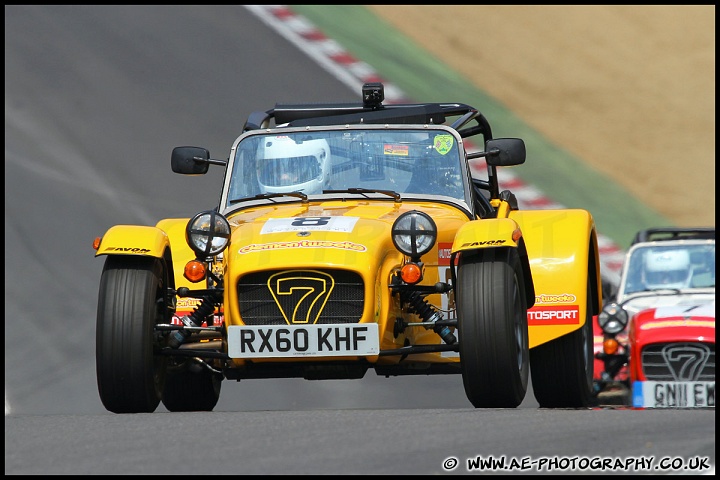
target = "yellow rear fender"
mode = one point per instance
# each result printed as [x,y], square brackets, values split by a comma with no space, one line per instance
[563,253]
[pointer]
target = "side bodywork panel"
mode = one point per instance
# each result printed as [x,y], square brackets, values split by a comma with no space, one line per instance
[563,252]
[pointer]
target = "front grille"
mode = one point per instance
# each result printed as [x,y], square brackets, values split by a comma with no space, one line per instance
[687,361]
[279,297]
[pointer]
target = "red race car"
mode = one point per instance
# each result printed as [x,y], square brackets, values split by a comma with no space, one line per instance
[659,332]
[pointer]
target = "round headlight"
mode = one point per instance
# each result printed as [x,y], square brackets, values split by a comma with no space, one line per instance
[613,319]
[414,233]
[208,233]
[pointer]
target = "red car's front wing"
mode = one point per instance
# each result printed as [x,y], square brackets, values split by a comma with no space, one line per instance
[673,348]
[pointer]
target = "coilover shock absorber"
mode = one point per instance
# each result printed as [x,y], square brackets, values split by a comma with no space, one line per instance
[195,319]
[429,314]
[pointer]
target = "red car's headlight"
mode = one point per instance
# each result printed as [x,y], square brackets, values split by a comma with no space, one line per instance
[613,319]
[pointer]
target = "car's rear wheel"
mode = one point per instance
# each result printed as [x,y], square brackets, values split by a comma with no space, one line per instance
[130,302]
[493,328]
[562,369]
[191,388]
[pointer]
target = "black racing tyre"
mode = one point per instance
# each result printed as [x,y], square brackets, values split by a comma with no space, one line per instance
[129,375]
[191,388]
[493,328]
[562,369]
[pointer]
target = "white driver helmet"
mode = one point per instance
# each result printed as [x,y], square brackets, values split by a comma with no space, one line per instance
[286,166]
[667,269]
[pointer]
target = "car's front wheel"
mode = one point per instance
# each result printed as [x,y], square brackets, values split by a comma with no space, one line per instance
[130,375]
[492,328]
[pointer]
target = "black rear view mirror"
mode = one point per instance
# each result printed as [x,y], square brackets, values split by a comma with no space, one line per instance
[190,160]
[502,152]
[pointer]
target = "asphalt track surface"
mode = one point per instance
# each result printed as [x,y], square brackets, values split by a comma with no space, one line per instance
[95,99]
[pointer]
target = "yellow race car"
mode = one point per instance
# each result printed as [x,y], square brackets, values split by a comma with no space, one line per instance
[350,237]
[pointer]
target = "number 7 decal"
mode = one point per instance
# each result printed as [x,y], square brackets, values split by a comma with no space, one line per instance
[301,295]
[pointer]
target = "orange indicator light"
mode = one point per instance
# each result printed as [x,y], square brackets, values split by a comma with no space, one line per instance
[411,273]
[610,346]
[194,271]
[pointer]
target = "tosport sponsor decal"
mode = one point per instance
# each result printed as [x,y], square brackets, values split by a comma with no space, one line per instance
[554,315]
[444,250]
[263,247]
